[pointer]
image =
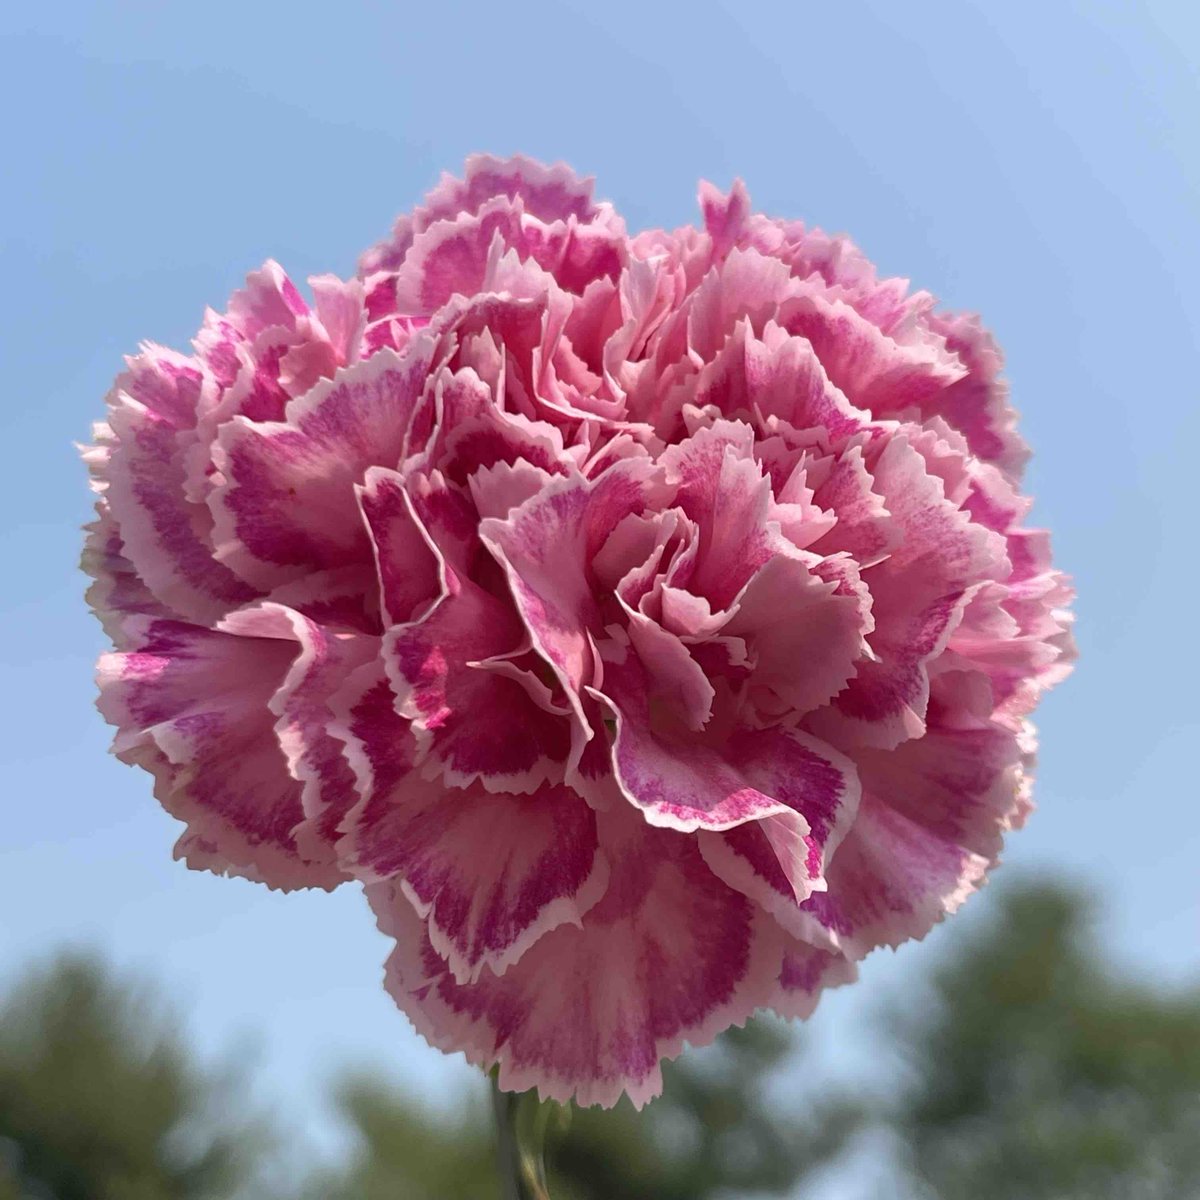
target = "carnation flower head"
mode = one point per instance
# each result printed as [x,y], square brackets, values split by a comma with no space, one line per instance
[649,622]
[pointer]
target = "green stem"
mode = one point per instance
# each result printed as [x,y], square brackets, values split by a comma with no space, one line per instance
[520,1141]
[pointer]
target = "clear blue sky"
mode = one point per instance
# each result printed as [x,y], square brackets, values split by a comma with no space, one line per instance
[1037,162]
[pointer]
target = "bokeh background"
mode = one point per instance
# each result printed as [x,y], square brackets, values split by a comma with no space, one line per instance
[1038,162]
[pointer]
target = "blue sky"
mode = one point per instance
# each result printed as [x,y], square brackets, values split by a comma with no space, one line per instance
[1039,163]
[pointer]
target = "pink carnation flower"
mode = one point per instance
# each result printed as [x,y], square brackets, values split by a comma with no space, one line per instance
[649,622]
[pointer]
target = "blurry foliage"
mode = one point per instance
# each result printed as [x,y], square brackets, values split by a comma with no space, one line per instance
[714,1133]
[102,1099]
[1038,1074]
[1033,1074]
[408,1152]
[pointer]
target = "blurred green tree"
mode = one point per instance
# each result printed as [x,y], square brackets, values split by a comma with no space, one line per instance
[1038,1073]
[715,1132]
[718,1130]
[1034,1073]
[408,1152]
[102,1099]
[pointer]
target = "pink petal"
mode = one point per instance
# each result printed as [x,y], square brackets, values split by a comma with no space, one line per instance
[288,506]
[960,781]
[269,299]
[724,216]
[887,377]
[722,488]
[863,527]
[805,972]
[669,955]
[778,376]
[893,879]
[491,873]
[805,631]
[747,859]
[687,781]
[192,707]
[977,405]
[473,723]
[919,593]
[343,599]
[548,193]
[451,256]
[546,546]
[746,285]
[117,591]
[409,565]
[341,309]
[473,433]
[167,539]
[302,708]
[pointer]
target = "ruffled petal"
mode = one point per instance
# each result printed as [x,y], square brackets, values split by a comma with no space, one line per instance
[892,880]
[805,630]
[919,593]
[886,377]
[192,706]
[301,706]
[490,874]
[117,591]
[545,547]
[288,504]
[805,972]
[548,193]
[471,722]
[669,955]
[167,539]
[714,780]
[780,377]
[409,564]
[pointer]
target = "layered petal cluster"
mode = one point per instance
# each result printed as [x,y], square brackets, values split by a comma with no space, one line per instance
[649,622]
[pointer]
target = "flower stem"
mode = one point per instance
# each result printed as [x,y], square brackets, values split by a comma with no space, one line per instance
[520,1141]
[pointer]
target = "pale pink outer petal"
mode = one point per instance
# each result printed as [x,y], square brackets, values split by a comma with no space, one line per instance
[930,825]
[301,706]
[166,538]
[919,593]
[547,192]
[977,405]
[191,706]
[491,874]
[892,880]
[805,972]
[887,377]
[116,591]
[959,783]
[669,955]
